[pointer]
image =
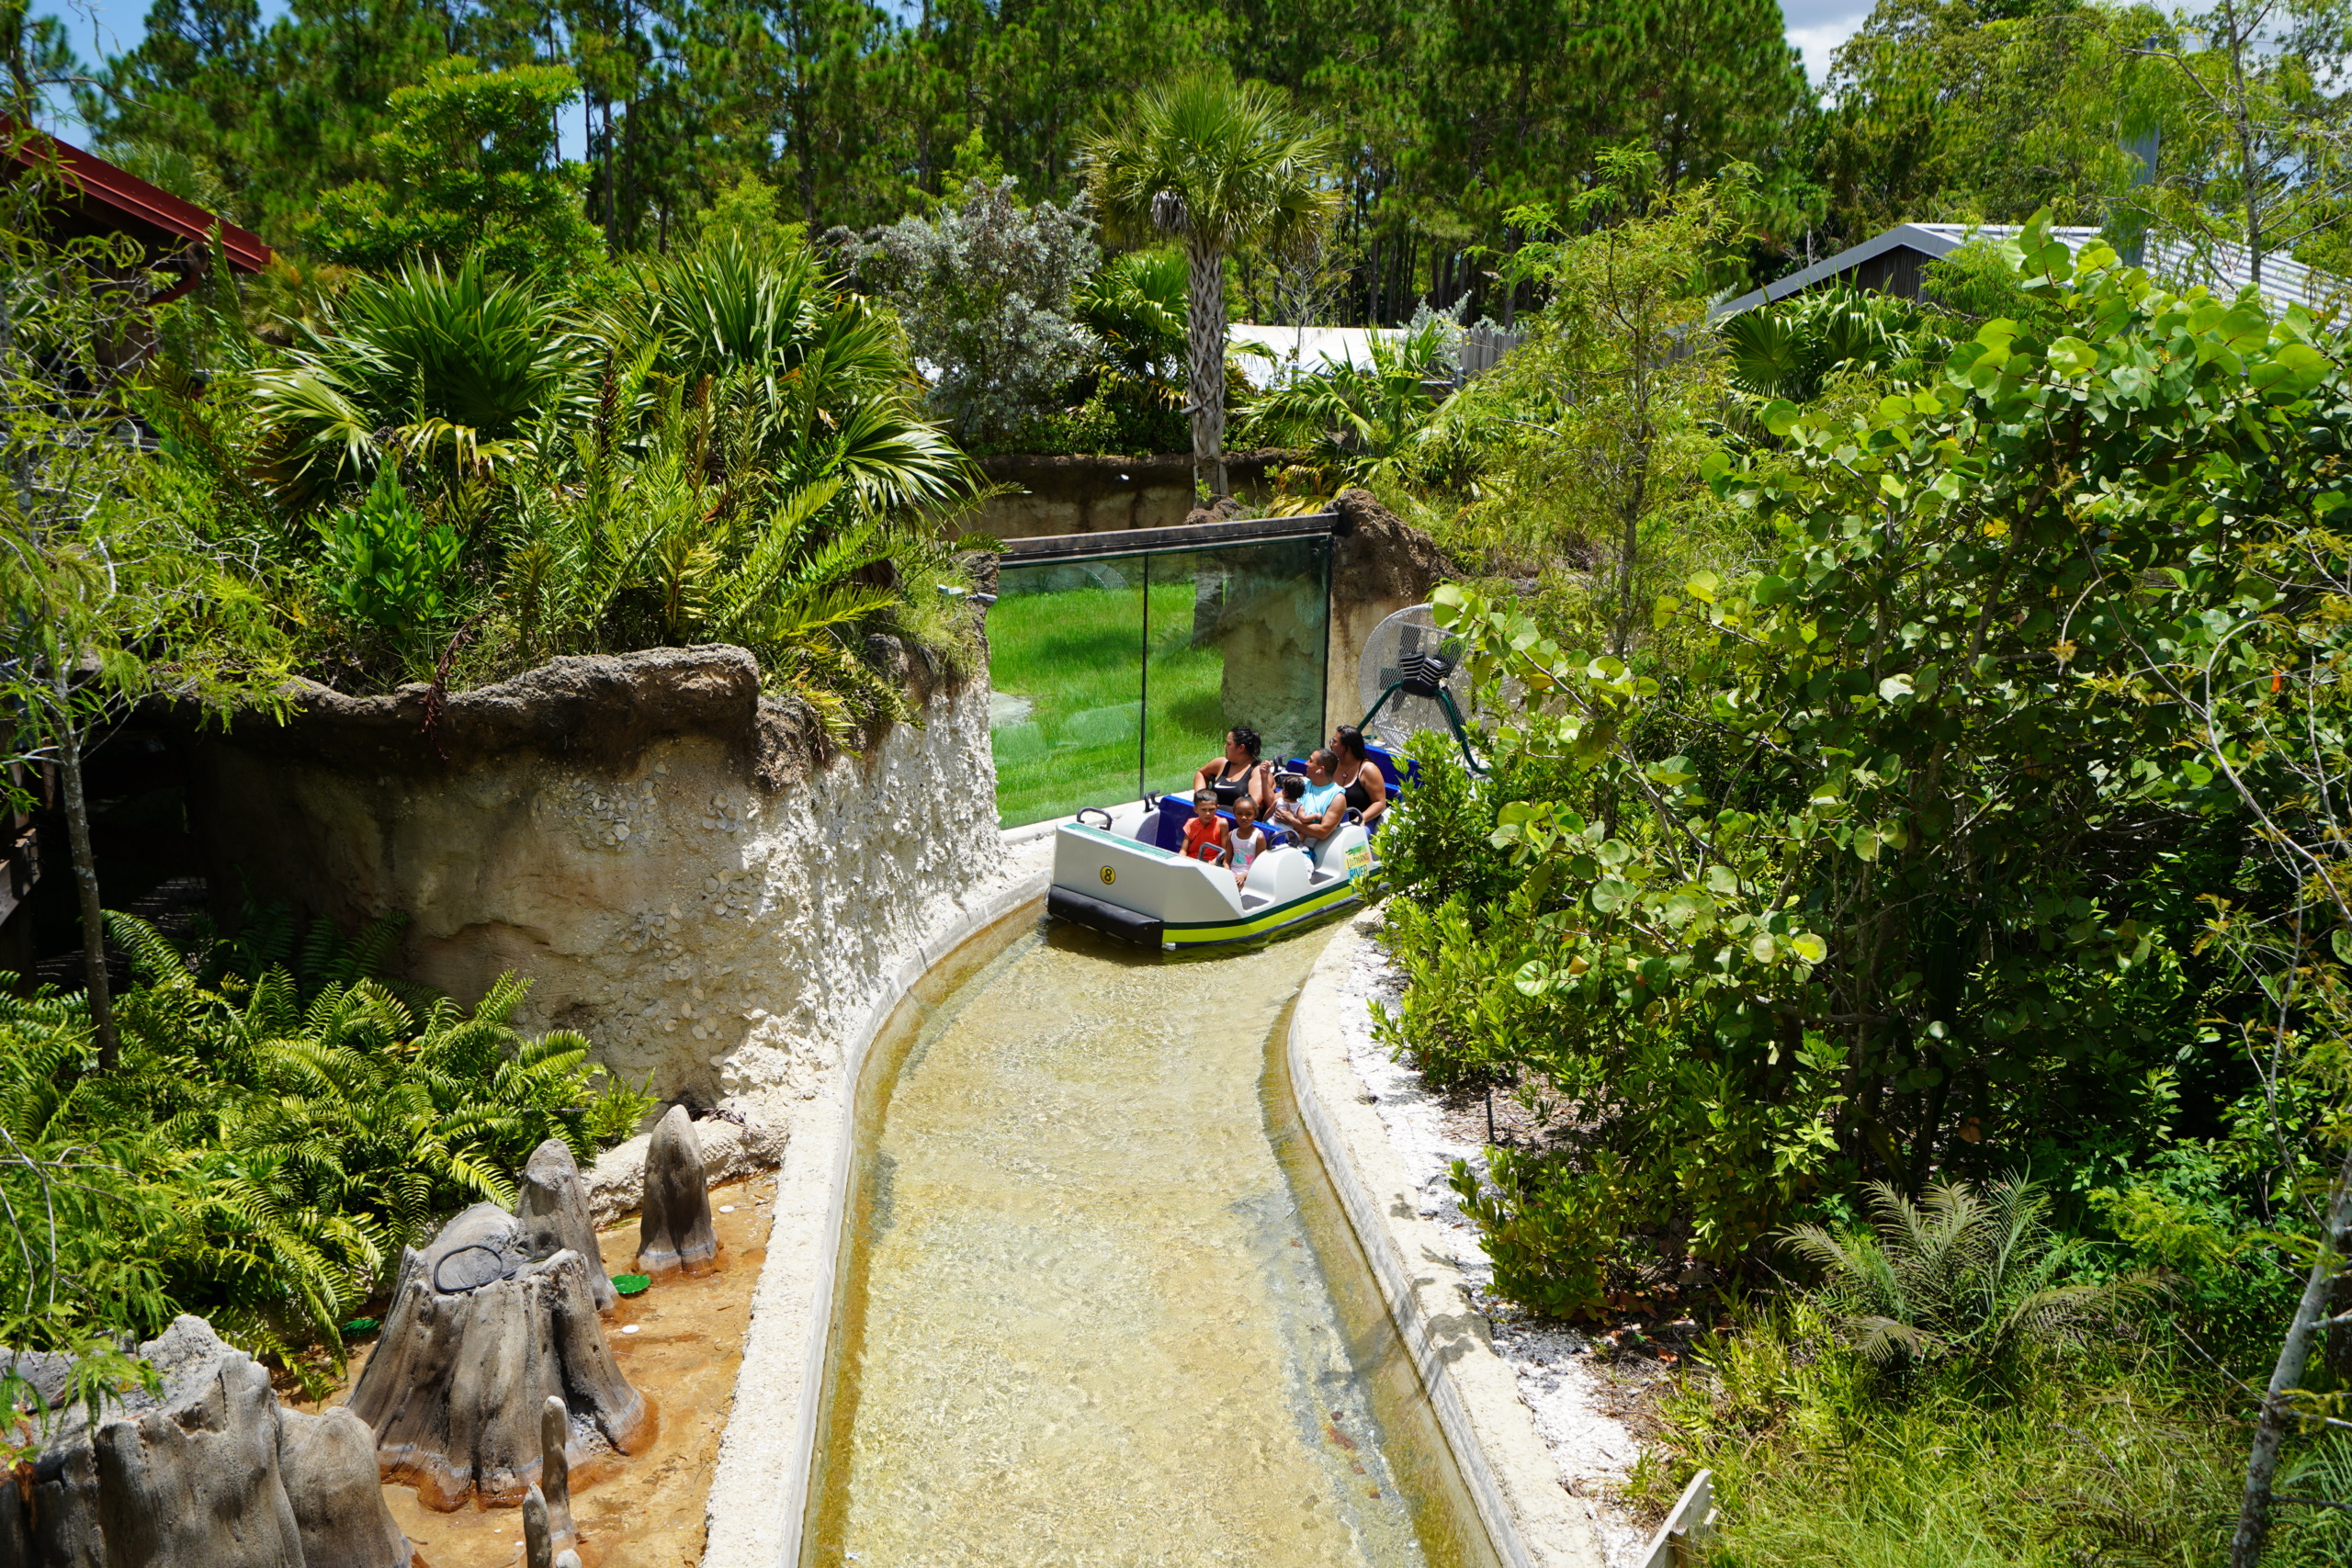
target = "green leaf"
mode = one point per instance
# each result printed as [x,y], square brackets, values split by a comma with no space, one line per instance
[1780,416]
[1762,948]
[1810,948]
[1894,686]
[2071,357]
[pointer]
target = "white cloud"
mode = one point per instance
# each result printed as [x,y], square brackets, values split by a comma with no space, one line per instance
[1818,27]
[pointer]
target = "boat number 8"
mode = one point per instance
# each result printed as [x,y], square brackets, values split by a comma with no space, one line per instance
[1109,876]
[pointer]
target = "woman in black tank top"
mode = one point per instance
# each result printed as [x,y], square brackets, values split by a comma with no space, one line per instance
[1237,772]
[1367,788]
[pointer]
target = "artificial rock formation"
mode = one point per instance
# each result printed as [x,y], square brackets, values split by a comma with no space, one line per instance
[480,1334]
[210,1472]
[552,1209]
[673,1232]
[1380,564]
[555,1471]
[675,860]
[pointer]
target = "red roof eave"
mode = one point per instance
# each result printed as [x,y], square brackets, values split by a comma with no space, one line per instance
[129,195]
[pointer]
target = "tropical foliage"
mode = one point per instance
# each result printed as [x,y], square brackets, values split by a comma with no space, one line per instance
[1214,165]
[281,1126]
[1968,812]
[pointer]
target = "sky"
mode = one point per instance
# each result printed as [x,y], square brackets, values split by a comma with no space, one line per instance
[108,26]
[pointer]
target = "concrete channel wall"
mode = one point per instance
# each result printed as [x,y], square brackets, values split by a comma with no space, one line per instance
[1511,1476]
[759,1493]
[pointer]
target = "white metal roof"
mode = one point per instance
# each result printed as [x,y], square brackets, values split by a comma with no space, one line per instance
[2223,269]
[1303,348]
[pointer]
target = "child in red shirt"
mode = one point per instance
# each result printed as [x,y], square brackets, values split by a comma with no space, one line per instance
[1204,834]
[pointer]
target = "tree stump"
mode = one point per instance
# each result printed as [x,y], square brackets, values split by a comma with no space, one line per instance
[479,1336]
[553,1208]
[211,1471]
[673,1234]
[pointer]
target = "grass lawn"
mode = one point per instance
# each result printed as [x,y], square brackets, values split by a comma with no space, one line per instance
[1075,656]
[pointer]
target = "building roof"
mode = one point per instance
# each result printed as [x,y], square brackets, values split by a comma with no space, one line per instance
[97,197]
[2223,269]
[1301,349]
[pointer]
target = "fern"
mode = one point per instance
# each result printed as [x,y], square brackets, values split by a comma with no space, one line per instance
[279,1131]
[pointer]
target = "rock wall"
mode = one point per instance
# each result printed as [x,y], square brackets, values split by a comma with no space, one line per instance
[1380,565]
[1100,495]
[668,857]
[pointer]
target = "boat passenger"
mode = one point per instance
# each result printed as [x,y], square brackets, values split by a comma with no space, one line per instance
[1244,840]
[1359,776]
[1204,834]
[1239,772]
[1322,807]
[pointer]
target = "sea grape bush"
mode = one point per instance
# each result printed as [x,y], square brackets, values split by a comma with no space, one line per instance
[1897,876]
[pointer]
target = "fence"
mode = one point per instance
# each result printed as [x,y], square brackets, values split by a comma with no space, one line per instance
[1483,348]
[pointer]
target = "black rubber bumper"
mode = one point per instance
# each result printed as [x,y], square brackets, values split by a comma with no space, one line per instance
[1108,918]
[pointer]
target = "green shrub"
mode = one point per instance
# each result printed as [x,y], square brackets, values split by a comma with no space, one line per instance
[386,564]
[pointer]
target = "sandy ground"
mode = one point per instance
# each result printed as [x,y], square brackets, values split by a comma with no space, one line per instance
[1574,1400]
[645,1511]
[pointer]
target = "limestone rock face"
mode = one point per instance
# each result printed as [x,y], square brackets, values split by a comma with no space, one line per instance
[661,849]
[478,1336]
[210,1474]
[552,1208]
[674,1235]
[1379,566]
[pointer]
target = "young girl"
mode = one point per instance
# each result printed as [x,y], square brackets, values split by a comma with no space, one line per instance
[1204,834]
[1247,840]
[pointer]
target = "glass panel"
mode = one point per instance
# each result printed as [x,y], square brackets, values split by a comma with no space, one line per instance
[1066,661]
[1238,636]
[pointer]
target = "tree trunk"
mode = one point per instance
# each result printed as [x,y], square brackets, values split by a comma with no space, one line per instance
[85,884]
[1205,341]
[2270,1431]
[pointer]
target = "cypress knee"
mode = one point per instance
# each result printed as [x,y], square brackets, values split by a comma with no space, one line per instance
[555,1471]
[552,1207]
[480,1337]
[673,1234]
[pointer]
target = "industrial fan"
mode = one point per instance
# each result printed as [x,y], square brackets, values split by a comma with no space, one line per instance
[1411,679]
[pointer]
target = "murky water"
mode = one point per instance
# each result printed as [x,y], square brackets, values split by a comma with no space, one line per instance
[1100,1307]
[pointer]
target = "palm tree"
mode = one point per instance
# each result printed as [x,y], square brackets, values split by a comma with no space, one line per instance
[1214,164]
[445,369]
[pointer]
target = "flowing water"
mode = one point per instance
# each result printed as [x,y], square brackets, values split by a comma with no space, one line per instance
[1098,1305]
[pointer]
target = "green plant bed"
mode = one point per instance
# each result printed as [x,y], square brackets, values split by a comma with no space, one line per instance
[1075,656]
[632,1284]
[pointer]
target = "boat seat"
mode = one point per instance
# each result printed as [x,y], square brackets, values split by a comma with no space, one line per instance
[1278,876]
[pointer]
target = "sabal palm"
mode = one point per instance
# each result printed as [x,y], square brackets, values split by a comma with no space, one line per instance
[830,397]
[1214,164]
[451,368]
[1359,419]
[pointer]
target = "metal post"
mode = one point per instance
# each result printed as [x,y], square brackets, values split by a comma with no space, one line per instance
[1323,716]
[1143,695]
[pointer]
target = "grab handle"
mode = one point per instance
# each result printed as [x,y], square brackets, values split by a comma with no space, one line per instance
[1084,811]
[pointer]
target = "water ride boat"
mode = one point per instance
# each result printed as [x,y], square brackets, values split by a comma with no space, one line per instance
[1133,881]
